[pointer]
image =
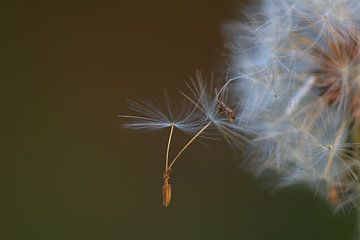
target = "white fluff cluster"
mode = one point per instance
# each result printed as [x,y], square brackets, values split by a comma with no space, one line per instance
[297,67]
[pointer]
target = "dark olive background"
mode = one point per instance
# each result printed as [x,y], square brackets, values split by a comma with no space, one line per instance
[70,172]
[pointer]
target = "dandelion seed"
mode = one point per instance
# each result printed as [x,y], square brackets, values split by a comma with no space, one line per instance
[166,189]
[333,196]
[151,117]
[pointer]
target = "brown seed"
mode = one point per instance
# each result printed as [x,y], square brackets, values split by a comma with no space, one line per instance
[166,188]
[166,191]
[333,196]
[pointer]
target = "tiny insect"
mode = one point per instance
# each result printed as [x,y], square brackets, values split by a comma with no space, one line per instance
[229,113]
[166,188]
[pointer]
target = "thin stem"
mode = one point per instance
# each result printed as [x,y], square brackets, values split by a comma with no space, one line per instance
[188,144]
[168,147]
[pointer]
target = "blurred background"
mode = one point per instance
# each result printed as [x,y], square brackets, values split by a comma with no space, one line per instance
[68,171]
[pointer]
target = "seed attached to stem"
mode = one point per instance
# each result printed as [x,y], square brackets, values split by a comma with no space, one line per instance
[166,189]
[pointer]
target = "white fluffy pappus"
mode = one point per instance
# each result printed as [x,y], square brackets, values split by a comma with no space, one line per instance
[152,116]
[296,65]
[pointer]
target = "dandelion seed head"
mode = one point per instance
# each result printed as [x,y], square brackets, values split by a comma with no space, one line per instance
[297,65]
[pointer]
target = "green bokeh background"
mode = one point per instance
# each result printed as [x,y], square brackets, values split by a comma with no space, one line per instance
[70,172]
